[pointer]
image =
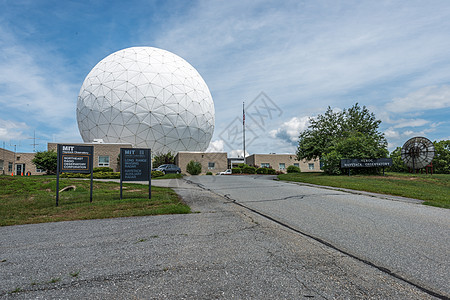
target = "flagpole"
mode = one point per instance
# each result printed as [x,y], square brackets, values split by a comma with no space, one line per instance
[243,127]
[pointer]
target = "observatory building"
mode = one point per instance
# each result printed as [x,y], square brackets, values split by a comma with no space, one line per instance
[149,98]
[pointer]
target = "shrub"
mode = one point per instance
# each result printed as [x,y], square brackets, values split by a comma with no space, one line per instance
[194,167]
[242,166]
[102,169]
[293,169]
[249,170]
[261,171]
[279,172]
[156,174]
[97,175]
[208,173]
[236,171]
[271,171]
[106,175]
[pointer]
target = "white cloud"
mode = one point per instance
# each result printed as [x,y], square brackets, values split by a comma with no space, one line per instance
[216,146]
[391,133]
[237,153]
[290,130]
[430,97]
[402,123]
[11,130]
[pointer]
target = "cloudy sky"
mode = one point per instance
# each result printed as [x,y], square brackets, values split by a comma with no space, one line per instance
[288,60]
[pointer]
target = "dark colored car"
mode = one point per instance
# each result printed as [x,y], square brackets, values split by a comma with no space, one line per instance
[166,169]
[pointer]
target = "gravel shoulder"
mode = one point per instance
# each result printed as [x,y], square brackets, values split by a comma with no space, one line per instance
[219,251]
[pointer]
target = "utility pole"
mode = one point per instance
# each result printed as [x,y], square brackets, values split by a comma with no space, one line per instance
[243,127]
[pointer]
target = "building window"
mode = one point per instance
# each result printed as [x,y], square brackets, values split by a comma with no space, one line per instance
[18,158]
[311,166]
[211,165]
[282,166]
[10,167]
[265,165]
[297,165]
[1,165]
[103,161]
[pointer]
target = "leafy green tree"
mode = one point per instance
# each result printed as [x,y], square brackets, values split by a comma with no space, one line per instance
[441,161]
[355,145]
[194,167]
[46,160]
[352,133]
[163,159]
[398,165]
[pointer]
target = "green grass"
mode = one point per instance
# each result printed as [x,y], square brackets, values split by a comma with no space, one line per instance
[169,176]
[26,200]
[434,189]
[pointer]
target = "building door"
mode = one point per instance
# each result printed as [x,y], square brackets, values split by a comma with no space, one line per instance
[20,168]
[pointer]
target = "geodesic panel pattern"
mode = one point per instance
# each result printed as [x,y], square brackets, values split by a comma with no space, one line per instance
[148,97]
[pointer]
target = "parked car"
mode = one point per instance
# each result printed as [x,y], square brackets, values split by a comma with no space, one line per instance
[227,172]
[169,168]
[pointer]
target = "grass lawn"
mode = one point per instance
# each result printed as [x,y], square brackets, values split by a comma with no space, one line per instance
[434,189]
[25,200]
[169,176]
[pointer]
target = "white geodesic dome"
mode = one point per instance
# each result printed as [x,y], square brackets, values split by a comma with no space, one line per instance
[148,97]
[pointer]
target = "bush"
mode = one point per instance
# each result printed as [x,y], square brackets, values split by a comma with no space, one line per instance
[249,170]
[102,169]
[293,169]
[156,174]
[236,170]
[261,171]
[106,175]
[242,166]
[97,175]
[208,173]
[194,167]
[279,172]
[271,171]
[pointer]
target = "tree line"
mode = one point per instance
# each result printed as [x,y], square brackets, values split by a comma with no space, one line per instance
[354,133]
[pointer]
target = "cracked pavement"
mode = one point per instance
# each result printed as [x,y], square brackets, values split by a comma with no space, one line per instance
[219,251]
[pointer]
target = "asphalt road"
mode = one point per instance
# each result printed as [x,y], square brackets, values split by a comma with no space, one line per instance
[221,251]
[404,237]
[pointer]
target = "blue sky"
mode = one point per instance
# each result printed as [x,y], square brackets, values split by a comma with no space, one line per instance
[288,60]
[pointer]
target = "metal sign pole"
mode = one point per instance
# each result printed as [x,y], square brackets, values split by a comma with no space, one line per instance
[149,157]
[58,167]
[121,170]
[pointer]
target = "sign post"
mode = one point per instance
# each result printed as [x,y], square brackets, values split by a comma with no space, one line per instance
[74,159]
[135,165]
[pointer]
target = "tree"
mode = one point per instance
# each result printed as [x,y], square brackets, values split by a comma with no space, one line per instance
[352,133]
[46,160]
[163,159]
[398,165]
[441,161]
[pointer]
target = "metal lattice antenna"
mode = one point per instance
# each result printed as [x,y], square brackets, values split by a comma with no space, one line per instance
[417,152]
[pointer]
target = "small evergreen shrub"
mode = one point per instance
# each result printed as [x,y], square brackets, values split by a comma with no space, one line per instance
[242,166]
[249,170]
[261,171]
[156,174]
[236,170]
[208,173]
[194,167]
[270,171]
[293,169]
